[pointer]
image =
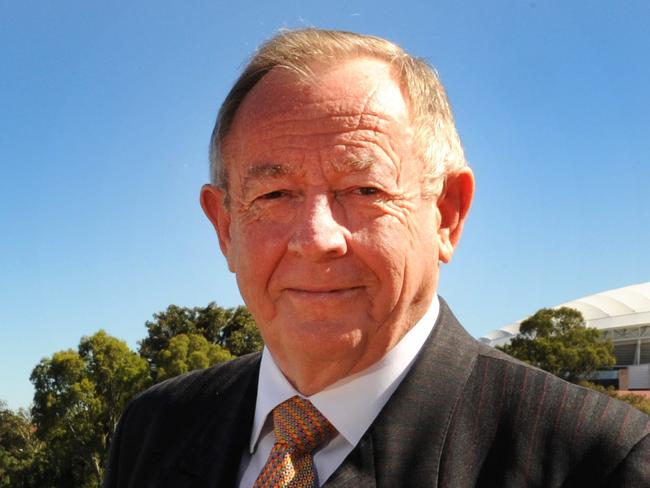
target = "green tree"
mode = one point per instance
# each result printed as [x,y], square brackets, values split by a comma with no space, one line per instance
[21,451]
[233,330]
[558,341]
[187,352]
[78,400]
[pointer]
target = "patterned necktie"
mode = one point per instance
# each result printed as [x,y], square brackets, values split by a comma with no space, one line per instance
[299,429]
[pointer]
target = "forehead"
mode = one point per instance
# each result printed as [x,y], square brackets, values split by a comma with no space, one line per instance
[349,99]
[357,84]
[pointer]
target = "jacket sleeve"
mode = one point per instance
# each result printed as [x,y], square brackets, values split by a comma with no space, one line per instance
[634,470]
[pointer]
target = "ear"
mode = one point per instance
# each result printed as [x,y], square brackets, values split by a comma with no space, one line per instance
[453,207]
[214,207]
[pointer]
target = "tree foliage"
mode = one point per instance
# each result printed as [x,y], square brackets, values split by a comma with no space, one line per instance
[187,352]
[558,341]
[173,343]
[21,451]
[79,396]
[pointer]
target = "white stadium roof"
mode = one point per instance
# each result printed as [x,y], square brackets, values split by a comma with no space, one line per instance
[621,308]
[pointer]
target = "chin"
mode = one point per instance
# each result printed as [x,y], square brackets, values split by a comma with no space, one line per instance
[326,338]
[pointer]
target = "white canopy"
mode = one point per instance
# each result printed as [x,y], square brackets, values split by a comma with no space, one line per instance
[623,307]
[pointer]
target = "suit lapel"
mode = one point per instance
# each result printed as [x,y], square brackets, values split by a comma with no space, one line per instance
[223,428]
[403,447]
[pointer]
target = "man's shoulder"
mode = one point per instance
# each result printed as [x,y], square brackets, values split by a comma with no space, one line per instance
[521,378]
[170,411]
[198,384]
[528,397]
[522,419]
[521,390]
[181,419]
[521,397]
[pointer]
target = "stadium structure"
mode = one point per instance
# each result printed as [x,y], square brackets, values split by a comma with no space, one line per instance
[623,316]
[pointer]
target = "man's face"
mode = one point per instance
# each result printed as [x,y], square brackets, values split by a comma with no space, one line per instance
[335,251]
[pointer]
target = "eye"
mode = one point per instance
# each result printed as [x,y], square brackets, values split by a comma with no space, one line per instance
[273,195]
[366,191]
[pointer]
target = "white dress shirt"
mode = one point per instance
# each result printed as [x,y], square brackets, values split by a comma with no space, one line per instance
[350,404]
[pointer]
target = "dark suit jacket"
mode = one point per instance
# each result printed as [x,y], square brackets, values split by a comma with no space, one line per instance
[465,415]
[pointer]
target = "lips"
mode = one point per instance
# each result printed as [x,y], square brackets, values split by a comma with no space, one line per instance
[322,292]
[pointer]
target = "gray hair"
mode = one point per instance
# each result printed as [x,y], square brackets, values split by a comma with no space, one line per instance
[435,133]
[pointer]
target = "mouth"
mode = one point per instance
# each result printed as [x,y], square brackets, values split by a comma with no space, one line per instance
[314,292]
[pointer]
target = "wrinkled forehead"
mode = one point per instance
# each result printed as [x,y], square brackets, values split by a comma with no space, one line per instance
[346,89]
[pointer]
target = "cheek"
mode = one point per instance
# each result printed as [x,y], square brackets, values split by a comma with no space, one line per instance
[258,250]
[382,247]
[397,248]
[397,234]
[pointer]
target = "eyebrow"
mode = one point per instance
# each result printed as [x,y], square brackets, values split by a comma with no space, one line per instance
[354,165]
[276,170]
[267,170]
[264,171]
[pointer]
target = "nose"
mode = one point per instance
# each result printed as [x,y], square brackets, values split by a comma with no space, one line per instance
[317,235]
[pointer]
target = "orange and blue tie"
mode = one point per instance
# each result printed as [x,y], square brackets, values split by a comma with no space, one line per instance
[299,429]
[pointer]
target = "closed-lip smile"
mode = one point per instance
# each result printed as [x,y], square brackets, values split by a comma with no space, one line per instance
[310,290]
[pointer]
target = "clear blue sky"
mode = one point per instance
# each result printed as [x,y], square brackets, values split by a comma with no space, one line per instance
[106,109]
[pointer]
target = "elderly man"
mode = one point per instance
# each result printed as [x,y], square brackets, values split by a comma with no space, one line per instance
[339,186]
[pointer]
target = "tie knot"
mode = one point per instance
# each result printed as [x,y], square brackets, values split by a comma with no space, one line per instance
[300,426]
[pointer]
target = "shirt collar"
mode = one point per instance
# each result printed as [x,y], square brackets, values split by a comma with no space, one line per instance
[351,404]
